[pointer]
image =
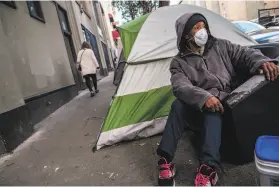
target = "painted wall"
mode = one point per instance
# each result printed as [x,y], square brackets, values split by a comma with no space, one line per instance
[33,55]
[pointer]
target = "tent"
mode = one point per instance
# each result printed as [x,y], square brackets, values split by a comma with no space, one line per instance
[129,32]
[118,72]
[144,96]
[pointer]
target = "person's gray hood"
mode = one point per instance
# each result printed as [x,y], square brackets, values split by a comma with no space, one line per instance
[180,26]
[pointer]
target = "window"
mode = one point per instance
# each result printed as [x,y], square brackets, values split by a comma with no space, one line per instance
[84,36]
[35,10]
[93,41]
[95,4]
[83,5]
[9,3]
[63,20]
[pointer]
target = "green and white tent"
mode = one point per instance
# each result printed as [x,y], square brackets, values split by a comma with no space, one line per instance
[144,96]
[129,33]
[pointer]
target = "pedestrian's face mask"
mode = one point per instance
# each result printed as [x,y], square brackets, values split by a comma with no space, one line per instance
[199,34]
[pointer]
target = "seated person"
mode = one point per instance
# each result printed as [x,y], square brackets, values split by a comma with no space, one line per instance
[201,77]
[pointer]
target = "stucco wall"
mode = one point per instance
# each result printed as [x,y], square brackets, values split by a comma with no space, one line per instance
[33,54]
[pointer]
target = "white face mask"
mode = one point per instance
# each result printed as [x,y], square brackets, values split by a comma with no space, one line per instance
[201,37]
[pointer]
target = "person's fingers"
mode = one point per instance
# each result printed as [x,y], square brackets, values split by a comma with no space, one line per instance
[216,108]
[210,106]
[275,72]
[212,109]
[270,69]
[273,69]
[266,71]
[221,108]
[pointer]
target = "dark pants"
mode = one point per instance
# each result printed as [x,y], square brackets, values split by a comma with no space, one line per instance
[87,81]
[206,125]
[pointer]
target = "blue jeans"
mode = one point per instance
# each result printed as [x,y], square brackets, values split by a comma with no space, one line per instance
[208,125]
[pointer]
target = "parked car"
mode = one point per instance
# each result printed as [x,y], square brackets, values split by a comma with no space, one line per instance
[258,32]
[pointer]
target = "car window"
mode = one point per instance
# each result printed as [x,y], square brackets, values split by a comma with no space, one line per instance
[249,27]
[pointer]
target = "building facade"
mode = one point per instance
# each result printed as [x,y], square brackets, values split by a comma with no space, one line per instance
[111,22]
[39,43]
[90,27]
[235,10]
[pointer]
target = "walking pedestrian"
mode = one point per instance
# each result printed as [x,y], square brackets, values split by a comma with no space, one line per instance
[88,65]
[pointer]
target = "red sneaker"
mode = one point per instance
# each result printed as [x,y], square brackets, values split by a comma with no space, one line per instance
[166,173]
[206,176]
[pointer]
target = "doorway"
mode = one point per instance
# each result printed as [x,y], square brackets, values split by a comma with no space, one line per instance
[65,27]
[106,54]
[93,42]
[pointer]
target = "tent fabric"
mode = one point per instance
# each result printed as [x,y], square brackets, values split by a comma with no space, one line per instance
[129,32]
[157,38]
[134,108]
[118,73]
[144,96]
[135,131]
[144,77]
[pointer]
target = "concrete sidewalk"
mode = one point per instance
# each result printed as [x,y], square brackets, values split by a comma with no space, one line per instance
[59,153]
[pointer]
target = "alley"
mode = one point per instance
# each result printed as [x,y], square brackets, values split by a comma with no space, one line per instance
[59,153]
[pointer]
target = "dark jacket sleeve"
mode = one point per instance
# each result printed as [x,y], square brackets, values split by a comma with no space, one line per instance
[183,88]
[245,57]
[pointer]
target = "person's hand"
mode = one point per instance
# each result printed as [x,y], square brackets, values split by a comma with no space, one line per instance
[270,70]
[213,104]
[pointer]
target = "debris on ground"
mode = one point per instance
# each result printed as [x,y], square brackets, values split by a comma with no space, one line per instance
[111,175]
[142,144]
[9,164]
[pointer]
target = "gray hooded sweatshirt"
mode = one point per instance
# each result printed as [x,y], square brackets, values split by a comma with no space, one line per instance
[195,78]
